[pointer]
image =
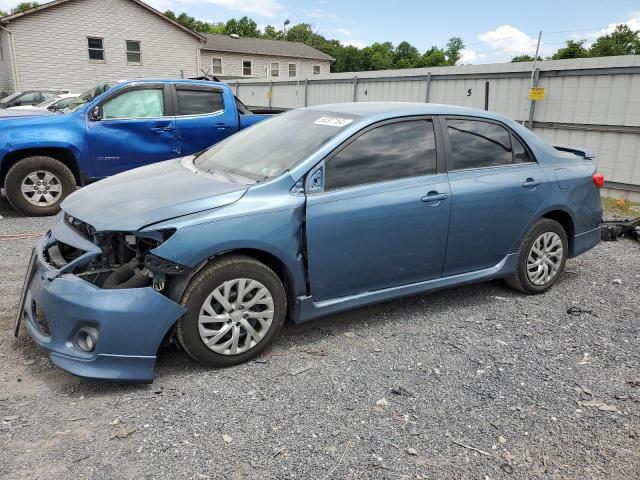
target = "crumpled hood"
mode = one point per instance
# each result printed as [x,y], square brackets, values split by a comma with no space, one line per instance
[147,195]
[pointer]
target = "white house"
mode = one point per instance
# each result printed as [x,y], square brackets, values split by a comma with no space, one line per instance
[230,56]
[76,44]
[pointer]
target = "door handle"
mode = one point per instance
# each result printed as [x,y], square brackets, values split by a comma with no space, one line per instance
[221,126]
[161,129]
[434,196]
[531,182]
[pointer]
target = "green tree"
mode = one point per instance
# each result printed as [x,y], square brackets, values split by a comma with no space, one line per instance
[572,49]
[434,57]
[406,56]
[378,56]
[622,41]
[194,24]
[23,6]
[524,58]
[3,13]
[245,27]
[454,49]
[271,33]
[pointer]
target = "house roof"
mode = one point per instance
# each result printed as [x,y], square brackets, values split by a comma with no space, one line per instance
[54,3]
[260,46]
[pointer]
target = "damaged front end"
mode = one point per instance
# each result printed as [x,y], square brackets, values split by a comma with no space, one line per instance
[97,302]
[115,260]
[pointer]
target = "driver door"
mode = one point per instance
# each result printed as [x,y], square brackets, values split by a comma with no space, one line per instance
[135,126]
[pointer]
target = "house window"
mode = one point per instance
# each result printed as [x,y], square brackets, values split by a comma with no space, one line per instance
[316,69]
[1,46]
[96,48]
[275,69]
[134,54]
[246,68]
[292,69]
[216,66]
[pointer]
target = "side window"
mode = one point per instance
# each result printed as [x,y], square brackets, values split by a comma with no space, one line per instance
[520,154]
[135,104]
[96,48]
[392,151]
[247,67]
[199,102]
[477,144]
[28,98]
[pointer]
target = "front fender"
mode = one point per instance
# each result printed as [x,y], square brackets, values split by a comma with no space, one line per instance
[40,133]
[277,233]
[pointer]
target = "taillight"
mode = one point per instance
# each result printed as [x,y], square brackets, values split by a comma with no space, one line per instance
[598,180]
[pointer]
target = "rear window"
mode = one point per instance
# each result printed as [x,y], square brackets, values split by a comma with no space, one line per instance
[199,102]
[477,144]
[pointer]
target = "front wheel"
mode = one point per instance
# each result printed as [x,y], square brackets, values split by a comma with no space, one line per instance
[236,307]
[541,257]
[36,186]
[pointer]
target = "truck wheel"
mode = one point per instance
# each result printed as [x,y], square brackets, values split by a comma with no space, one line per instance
[36,186]
[541,258]
[236,307]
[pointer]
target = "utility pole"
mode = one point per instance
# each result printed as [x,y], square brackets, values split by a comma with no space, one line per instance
[284,28]
[531,83]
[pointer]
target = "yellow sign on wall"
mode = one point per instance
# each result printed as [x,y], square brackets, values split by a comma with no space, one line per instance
[536,93]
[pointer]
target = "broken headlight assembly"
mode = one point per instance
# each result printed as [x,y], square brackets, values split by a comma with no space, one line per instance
[125,260]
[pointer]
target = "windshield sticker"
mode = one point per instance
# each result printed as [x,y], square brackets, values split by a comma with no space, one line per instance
[333,121]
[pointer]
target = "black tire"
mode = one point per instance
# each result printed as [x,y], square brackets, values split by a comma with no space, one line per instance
[519,280]
[29,165]
[212,276]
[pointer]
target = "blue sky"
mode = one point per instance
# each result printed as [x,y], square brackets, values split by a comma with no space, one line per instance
[492,30]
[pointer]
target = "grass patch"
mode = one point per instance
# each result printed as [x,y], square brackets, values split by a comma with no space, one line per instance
[631,209]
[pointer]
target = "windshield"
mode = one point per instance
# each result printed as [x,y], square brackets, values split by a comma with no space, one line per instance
[273,146]
[88,96]
[13,96]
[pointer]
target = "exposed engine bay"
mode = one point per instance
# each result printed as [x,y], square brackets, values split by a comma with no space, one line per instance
[124,260]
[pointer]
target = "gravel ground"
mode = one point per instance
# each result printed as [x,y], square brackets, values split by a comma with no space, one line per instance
[475,382]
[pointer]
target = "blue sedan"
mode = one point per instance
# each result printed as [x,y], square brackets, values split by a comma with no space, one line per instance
[312,212]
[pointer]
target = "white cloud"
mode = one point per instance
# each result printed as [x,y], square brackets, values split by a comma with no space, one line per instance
[344,31]
[266,8]
[354,43]
[509,41]
[468,56]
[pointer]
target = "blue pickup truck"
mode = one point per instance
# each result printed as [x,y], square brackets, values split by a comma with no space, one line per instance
[109,129]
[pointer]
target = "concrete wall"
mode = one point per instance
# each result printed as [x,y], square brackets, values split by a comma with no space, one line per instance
[51,45]
[232,64]
[592,102]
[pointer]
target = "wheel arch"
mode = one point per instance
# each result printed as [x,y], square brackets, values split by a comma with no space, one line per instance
[62,154]
[276,264]
[566,221]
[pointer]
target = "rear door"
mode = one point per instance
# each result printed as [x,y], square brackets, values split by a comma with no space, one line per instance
[496,189]
[202,118]
[137,128]
[380,217]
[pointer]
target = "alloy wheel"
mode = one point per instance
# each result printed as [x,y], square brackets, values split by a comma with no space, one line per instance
[41,188]
[235,316]
[545,258]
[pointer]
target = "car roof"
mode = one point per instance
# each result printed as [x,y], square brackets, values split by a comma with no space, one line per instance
[394,109]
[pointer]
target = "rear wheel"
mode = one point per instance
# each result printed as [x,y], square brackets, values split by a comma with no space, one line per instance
[541,258]
[36,186]
[236,307]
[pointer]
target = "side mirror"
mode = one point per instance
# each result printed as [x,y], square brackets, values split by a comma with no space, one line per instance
[17,103]
[96,114]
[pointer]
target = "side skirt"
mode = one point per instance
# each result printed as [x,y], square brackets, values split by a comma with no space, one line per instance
[308,310]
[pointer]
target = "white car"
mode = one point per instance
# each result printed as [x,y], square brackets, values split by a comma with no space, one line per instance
[50,105]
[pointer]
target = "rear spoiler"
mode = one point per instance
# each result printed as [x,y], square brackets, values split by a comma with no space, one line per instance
[579,151]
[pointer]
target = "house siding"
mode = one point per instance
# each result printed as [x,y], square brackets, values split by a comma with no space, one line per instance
[6,78]
[232,64]
[51,45]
